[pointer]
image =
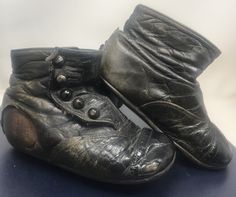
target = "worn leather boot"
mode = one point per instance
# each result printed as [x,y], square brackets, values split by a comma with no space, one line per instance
[55,110]
[152,66]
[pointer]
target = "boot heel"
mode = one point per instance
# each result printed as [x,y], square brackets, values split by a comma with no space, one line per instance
[19,129]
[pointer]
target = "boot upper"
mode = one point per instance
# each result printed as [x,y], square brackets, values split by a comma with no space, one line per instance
[77,126]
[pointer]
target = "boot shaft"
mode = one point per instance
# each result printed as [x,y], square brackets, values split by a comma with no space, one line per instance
[36,83]
[176,46]
[57,108]
[35,63]
[157,58]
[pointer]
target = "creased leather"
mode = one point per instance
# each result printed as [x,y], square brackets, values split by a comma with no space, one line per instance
[154,63]
[117,152]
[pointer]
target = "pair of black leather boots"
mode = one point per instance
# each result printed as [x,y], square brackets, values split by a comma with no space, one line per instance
[62,105]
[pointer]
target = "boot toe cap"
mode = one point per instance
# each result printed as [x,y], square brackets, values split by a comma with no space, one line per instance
[211,150]
[219,154]
[156,158]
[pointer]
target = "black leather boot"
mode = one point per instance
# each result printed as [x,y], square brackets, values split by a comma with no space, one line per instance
[55,110]
[153,65]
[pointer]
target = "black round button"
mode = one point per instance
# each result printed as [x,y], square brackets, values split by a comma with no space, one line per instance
[93,113]
[66,94]
[61,78]
[78,103]
[59,60]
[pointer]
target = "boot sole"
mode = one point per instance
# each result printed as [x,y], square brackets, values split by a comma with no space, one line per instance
[156,128]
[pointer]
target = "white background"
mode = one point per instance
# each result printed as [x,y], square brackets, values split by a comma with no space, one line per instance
[88,23]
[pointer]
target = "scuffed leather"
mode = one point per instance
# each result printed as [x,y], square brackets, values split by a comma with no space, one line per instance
[110,148]
[154,63]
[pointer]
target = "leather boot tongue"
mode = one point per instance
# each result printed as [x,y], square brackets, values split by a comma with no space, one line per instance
[169,41]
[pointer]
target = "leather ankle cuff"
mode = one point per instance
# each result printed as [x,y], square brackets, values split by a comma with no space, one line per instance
[73,66]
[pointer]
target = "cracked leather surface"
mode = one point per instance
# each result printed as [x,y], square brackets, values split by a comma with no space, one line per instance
[105,146]
[154,64]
